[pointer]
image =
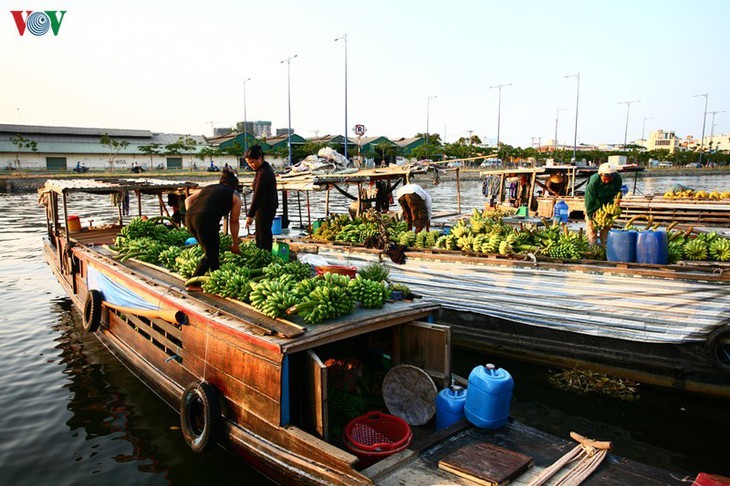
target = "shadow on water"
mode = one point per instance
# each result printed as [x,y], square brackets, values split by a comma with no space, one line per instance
[674,431]
[122,422]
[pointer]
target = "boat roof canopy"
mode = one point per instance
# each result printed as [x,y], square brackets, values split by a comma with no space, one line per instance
[108,186]
[318,182]
[579,170]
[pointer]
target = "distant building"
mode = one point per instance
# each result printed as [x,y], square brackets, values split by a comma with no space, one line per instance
[661,140]
[62,148]
[260,129]
[282,132]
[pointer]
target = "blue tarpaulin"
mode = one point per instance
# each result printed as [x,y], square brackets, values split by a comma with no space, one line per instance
[114,292]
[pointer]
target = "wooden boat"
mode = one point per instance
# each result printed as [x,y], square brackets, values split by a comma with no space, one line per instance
[663,325]
[255,385]
[541,199]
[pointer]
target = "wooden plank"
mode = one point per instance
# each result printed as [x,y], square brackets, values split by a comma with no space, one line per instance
[486,464]
[426,346]
[244,397]
[253,370]
[317,399]
[147,351]
[169,328]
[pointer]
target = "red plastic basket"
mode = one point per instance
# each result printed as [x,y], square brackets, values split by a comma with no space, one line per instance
[377,432]
[341,269]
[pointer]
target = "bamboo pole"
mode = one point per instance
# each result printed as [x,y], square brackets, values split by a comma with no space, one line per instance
[458,191]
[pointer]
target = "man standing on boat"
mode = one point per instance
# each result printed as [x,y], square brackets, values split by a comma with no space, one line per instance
[265,200]
[205,209]
[416,206]
[602,188]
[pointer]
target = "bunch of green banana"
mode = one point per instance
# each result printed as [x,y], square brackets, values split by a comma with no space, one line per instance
[188,261]
[695,249]
[167,257]
[273,297]
[407,238]
[607,214]
[595,252]
[676,250]
[324,302]
[720,249]
[460,229]
[446,242]
[370,294]
[298,270]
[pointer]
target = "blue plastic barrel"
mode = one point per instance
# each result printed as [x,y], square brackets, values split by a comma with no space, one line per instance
[276,226]
[561,210]
[652,247]
[450,406]
[489,397]
[621,246]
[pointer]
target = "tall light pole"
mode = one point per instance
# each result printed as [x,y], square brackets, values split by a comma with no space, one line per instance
[555,140]
[344,38]
[712,125]
[499,109]
[577,99]
[288,97]
[643,126]
[428,113]
[704,119]
[628,106]
[245,119]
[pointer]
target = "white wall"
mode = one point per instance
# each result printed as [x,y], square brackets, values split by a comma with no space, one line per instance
[37,161]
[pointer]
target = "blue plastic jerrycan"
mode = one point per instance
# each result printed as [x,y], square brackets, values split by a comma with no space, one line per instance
[450,406]
[561,211]
[489,397]
[621,246]
[652,247]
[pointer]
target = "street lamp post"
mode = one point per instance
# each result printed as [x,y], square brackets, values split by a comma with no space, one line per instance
[628,106]
[577,99]
[288,97]
[555,140]
[428,113]
[643,126]
[499,109]
[712,125]
[344,38]
[245,118]
[704,119]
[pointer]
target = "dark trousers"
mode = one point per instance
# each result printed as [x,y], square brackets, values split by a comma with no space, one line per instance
[264,237]
[205,230]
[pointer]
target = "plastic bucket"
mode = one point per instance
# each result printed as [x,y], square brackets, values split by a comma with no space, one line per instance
[621,246]
[74,223]
[489,397]
[276,226]
[652,247]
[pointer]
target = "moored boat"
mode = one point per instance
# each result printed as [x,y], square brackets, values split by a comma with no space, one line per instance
[256,385]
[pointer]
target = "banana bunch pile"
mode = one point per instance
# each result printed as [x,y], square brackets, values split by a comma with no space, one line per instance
[168,257]
[569,246]
[229,281]
[297,269]
[357,233]
[370,294]
[407,238]
[697,195]
[720,250]
[145,248]
[607,214]
[704,246]
[330,227]
[447,242]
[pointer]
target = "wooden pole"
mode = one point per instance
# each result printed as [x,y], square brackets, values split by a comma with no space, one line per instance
[139,203]
[309,214]
[119,207]
[532,191]
[458,191]
[357,213]
[327,202]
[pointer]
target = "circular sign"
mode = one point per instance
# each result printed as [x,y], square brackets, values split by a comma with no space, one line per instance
[359,130]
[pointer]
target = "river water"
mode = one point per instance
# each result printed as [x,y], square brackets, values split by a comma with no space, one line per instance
[74,415]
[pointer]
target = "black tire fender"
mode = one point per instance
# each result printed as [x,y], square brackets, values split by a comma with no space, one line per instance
[200,416]
[92,310]
[718,347]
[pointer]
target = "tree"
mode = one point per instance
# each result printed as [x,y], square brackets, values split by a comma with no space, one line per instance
[151,150]
[386,149]
[114,146]
[23,144]
[184,144]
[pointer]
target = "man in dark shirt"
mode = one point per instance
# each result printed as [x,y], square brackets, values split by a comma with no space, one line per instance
[205,209]
[265,200]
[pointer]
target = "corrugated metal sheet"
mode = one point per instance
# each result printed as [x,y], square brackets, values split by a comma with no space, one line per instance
[45,130]
[647,309]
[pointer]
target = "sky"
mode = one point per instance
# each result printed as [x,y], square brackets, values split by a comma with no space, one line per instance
[179,67]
